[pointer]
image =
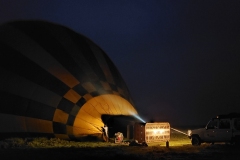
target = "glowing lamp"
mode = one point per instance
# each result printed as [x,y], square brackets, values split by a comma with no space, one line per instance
[152,132]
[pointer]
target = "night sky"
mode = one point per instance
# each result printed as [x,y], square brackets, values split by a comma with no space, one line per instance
[179,58]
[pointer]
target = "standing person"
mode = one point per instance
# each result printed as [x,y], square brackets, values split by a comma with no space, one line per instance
[105,132]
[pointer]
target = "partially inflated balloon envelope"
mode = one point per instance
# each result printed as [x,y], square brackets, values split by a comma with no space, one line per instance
[56,82]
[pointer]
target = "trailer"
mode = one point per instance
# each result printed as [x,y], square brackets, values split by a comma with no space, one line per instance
[152,132]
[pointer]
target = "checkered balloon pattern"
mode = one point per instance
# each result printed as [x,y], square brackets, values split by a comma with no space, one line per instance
[56,82]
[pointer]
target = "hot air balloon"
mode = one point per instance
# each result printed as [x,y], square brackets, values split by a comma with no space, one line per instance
[56,82]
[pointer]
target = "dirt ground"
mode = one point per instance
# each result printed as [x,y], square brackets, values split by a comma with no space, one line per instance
[179,149]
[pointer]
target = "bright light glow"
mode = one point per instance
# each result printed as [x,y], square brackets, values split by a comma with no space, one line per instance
[161,131]
[157,132]
[179,131]
[139,118]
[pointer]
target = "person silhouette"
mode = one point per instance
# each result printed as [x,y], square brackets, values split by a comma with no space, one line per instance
[105,133]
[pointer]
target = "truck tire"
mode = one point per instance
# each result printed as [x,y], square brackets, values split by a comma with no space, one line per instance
[196,141]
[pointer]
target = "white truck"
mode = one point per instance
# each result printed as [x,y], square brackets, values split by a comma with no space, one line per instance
[223,128]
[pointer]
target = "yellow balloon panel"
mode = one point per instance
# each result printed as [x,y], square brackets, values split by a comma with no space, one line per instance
[72,96]
[85,127]
[12,123]
[60,116]
[90,111]
[38,125]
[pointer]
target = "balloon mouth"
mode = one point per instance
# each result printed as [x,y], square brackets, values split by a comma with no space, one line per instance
[95,113]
